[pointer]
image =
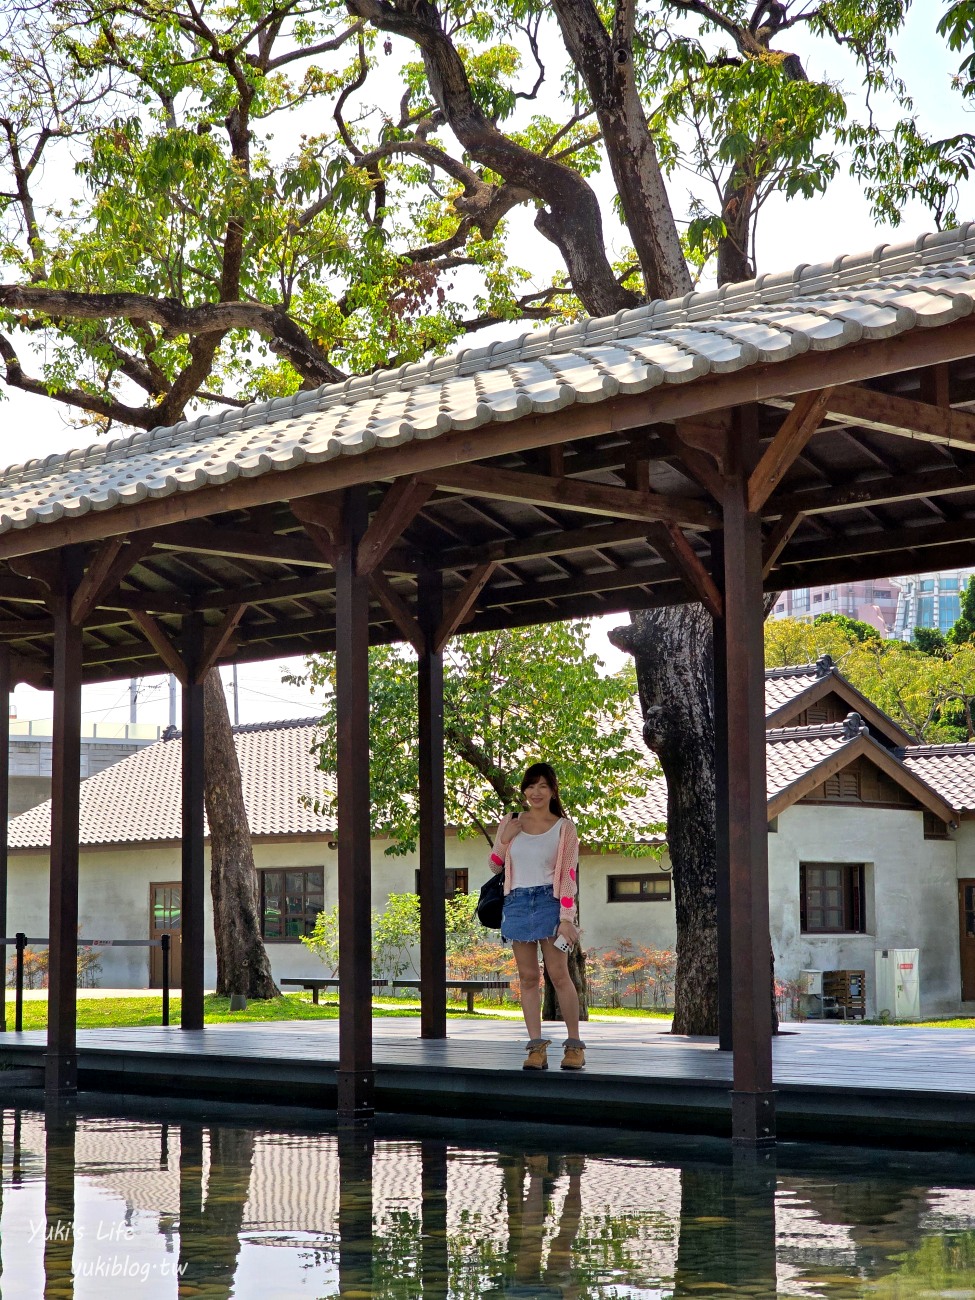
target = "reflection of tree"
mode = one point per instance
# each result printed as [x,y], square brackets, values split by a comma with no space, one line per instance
[60,1125]
[209,1231]
[727,1228]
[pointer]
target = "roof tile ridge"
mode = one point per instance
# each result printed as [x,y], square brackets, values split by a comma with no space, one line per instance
[789,670]
[815,731]
[937,747]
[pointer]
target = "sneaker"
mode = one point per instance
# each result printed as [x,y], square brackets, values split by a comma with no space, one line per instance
[573,1054]
[537,1058]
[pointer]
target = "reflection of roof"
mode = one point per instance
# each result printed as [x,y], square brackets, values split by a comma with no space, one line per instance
[138,800]
[950,769]
[876,295]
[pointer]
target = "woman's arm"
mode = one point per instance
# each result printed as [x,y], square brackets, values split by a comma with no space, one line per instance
[496,858]
[565,876]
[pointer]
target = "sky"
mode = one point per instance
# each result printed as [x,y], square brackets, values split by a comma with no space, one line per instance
[790,233]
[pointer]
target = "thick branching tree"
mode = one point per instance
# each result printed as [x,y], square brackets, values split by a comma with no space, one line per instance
[217,202]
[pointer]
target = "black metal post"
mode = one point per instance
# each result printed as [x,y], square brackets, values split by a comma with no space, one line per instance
[4,818]
[433,858]
[194,870]
[61,1064]
[356,1076]
[753,1108]
[164,943]
[19,986]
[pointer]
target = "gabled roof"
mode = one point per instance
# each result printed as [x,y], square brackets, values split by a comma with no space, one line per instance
[798,759]
[138,800]
[950,769]
[924,283]
[789,691]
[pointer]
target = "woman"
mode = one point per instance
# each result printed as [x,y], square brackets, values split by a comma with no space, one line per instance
[539,851]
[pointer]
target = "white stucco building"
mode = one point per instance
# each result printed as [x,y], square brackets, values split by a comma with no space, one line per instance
[871,846]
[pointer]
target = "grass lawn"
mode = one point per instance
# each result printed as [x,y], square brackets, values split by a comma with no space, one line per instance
[104,1013]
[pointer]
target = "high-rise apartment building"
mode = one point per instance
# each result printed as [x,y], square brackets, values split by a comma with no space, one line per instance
[874,602]
[929,600]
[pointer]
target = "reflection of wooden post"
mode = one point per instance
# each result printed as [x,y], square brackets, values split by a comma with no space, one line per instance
[753,1111]
[434,1257]
[59,1207]
[433,944]
[355,1149]
[4,816]
[727,1228]
[356,1077]
[194,864]
[61,1066]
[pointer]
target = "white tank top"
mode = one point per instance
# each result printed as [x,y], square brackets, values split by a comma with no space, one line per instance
[533,858]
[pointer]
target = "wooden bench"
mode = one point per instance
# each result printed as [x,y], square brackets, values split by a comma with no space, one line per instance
[316,983]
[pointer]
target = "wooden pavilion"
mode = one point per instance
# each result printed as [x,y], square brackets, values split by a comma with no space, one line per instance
[803,429]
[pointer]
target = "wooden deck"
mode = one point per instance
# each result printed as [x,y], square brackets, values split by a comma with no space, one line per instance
[834,1081]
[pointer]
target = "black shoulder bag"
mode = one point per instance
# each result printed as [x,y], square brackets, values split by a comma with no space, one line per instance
[490,901]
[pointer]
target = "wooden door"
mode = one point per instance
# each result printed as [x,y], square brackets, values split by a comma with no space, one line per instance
[966,917]
[166,917]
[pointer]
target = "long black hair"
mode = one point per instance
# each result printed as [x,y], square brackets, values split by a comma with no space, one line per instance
[544,772]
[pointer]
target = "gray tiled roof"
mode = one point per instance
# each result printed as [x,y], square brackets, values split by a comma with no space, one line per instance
[784,684]
[138,800]
[791,752]
[927,282]
[949,769]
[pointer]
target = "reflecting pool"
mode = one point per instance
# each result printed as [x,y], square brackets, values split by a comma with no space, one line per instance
[168,1202]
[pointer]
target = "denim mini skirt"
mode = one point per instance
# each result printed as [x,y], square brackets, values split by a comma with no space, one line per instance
[530,914]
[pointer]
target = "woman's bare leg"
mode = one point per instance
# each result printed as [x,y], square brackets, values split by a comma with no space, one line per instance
[530,979]
[557,965]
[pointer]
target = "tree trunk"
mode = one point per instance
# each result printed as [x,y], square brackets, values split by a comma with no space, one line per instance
[674,654]
[550,999]
[242,963]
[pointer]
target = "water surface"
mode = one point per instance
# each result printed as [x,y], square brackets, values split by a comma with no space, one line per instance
[142,1206]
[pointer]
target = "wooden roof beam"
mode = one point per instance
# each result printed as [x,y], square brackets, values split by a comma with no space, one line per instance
[574,494]
[158,638]
[112,561]
[217,639]
[797,428]
[236,543]
[901,416]
[673,545]
[778,539]
[398,509]
[398,610]
[462,604]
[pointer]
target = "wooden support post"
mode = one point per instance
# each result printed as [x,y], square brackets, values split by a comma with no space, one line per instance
[433,863]
[721,807]
[61,1065]
[356,1077]
[4,816]
[753,1109]
[194,867]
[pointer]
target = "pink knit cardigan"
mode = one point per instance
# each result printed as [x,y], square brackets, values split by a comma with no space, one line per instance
[565,885]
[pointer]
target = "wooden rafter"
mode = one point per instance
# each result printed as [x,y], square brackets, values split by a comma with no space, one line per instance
[113,560]
[217,639]
[158,638]
[671,543]
[778,539]
[796,430]
[397,511]
[903,417]
[397,609]
[574,494]
[236,543]
[459,608]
